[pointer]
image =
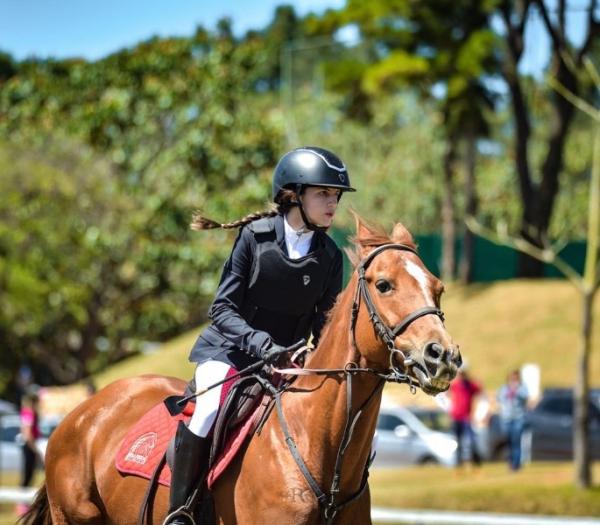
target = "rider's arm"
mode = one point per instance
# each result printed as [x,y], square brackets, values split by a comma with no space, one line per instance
[225,310]
[328,300]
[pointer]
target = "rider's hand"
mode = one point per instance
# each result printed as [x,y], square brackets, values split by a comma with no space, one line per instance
[273,353]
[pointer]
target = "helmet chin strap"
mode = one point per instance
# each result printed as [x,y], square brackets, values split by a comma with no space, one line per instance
[309,225]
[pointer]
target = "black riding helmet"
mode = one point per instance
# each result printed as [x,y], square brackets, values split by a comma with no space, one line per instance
[310,166]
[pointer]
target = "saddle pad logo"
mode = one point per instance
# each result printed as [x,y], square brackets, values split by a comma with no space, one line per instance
[141,448]
[306,279]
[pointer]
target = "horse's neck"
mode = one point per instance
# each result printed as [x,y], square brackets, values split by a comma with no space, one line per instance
[319,403]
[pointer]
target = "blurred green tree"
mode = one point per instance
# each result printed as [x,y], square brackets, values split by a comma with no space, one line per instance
[445,58]
[172,124]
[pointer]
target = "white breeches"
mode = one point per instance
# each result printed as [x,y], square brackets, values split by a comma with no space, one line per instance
[207,405]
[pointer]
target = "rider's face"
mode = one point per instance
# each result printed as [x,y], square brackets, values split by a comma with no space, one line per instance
[320,204]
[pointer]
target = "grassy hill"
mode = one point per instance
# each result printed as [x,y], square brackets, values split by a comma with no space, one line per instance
[170,359]
[498,326]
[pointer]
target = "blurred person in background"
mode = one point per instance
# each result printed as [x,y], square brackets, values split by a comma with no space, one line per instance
[30,432]
[90,387]
[23,382]
[512,399]
[462,393]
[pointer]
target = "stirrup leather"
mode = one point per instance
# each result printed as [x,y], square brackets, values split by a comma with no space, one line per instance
[183,512]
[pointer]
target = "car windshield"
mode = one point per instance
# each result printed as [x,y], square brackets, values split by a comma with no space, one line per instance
[9,434]
[434,419]
[562,406]
[47,427]
[388,422]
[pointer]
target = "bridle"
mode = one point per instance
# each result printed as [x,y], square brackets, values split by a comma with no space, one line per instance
[328,502]
[388,335]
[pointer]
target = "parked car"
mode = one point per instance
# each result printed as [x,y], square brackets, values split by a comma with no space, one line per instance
[10,440]
[490,438]
[549,427]
[6,407]
[403,439]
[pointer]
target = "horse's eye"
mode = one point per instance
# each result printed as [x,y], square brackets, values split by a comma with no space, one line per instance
[383,286]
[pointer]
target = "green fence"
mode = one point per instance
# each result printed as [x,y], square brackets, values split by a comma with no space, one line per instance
[492,262]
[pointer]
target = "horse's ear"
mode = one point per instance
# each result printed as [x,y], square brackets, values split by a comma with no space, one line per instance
[362,229]
[402,236]
[364,236]
[353,256]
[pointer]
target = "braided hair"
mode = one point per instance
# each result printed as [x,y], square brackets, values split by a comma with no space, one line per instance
[286,199]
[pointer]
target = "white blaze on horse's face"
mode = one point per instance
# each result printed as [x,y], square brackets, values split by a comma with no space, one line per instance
[419,275]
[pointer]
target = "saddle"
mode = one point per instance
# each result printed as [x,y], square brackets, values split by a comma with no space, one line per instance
[239,404]
[144,450]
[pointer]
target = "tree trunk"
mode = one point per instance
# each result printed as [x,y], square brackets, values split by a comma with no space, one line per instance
[514,42]
[538,199]
[528,266]
[540,205]
[448,214]
[581,445]
[465,270]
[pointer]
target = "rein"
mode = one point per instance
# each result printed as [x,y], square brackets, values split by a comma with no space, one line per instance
[351,368]
[328,501]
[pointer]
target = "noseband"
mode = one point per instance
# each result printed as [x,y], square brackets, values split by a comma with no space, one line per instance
[387,334]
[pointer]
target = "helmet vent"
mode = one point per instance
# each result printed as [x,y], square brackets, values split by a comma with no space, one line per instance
[331,162]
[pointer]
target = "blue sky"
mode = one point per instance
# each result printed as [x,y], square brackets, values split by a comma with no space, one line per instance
[92,29]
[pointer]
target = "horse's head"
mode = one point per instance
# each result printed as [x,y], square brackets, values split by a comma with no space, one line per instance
[399,325]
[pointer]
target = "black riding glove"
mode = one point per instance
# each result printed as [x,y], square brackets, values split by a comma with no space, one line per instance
[273,352]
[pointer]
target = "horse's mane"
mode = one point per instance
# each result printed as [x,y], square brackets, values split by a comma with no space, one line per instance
[371,234]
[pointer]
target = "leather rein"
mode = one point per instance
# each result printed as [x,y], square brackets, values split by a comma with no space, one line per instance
[328,502]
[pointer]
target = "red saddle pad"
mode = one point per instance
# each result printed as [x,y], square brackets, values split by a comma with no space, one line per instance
[146,442]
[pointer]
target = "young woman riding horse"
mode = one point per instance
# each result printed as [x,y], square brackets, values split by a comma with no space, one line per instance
[282,277]
[309,463]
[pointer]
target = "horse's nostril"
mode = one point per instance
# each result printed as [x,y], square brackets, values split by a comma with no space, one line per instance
[458,360]
[434,351]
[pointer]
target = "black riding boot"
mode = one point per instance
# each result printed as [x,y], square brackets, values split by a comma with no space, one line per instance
[190,466]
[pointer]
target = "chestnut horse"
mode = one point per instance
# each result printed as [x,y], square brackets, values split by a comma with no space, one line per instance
[308,465]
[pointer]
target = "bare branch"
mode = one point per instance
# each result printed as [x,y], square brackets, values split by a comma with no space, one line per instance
[518,243]
[524,13]
[561,16]
[592,71]
[556,36]
[569,62]
[592,257]
[559,245]
[515,31]
[578,102]
[593,31]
